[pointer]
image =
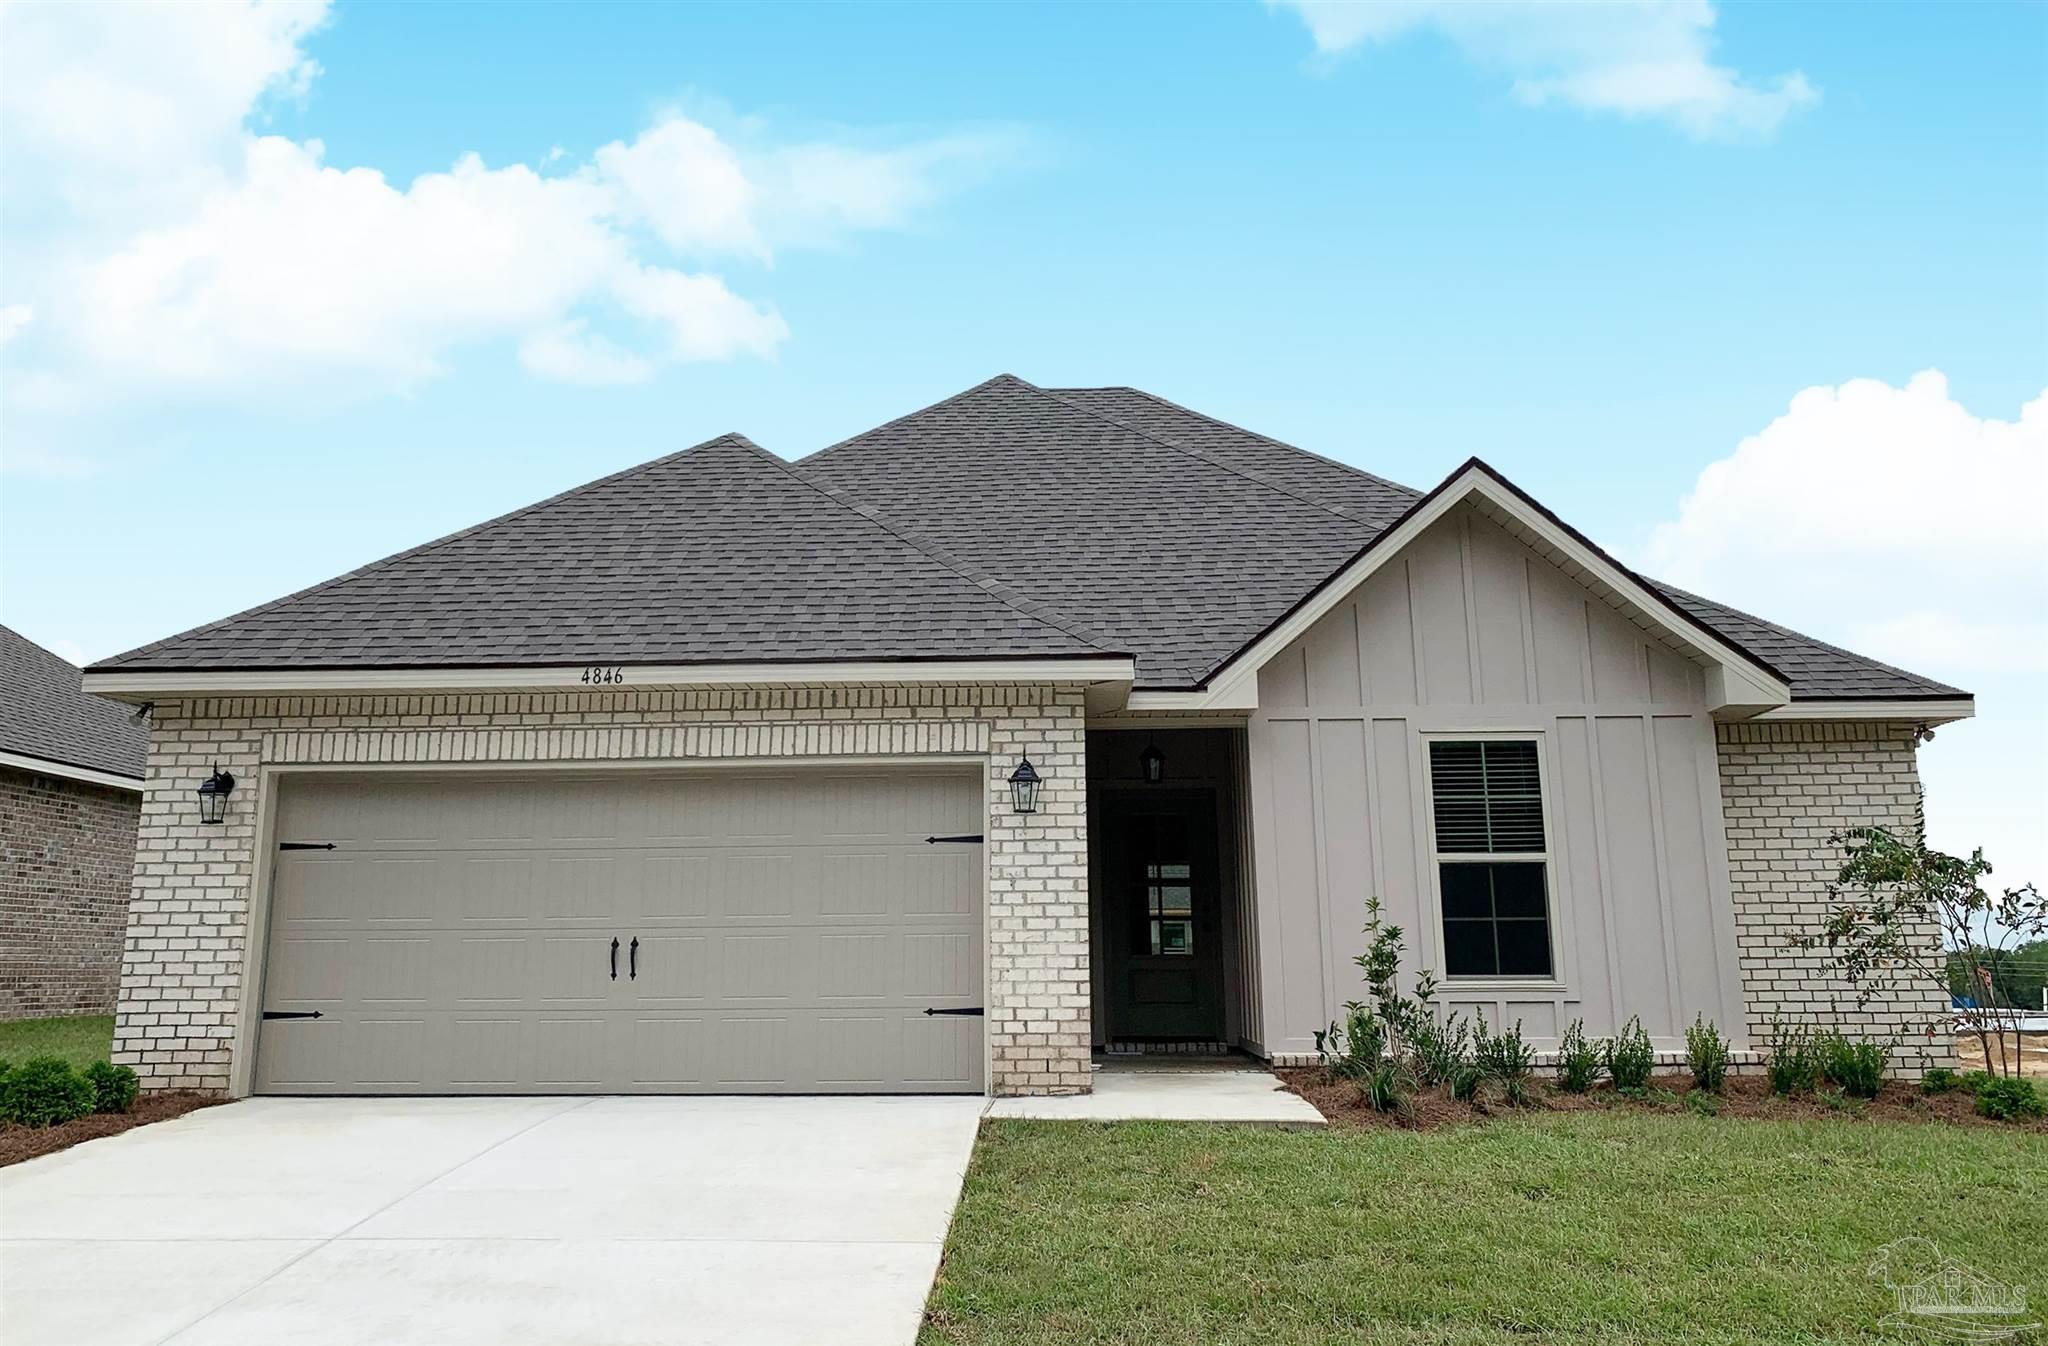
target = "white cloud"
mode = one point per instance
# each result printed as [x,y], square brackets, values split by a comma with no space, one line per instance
[1913,524]
[1895,522]
[169,245]
[1638,58]
[569,352]
[14,317]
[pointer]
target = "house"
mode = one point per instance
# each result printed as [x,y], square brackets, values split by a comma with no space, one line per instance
[70,789]
[712,775]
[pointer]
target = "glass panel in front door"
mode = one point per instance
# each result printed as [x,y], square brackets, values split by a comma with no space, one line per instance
[1169,887]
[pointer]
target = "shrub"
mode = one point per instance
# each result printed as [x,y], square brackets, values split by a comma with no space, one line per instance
[1706,1052]
[2011,1099]
[1506,1059]
[1630,1057]
[1578,1061]
[1974,1080]
[114,1087]
[44,1091]
[1855,1067]
[1939,1080]
[1443,1050]
[1704,1103]
[1789,1064]
[1357,1051]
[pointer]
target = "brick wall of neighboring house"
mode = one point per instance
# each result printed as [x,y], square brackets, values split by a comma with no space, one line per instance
[67,851]
[1785,788]
[181,985]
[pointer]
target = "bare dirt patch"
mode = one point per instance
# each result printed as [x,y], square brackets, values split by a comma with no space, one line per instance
[2033,1052]
[32,1142]
[1741,1096]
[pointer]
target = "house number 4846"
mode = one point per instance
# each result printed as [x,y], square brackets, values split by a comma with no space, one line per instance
[597,675]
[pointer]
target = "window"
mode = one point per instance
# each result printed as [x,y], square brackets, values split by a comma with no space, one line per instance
[1492,857]
[1170,906]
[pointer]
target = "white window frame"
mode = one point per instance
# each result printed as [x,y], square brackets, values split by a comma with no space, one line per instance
[1438,859]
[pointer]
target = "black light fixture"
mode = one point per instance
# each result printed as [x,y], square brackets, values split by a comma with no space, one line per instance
[213,795]
[1154,762]
[1024,787]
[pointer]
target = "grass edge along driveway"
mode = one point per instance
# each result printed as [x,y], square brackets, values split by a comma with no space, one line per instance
[1612,1226]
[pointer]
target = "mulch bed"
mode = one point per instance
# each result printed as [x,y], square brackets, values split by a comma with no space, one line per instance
[1741,1096]
[30,1142]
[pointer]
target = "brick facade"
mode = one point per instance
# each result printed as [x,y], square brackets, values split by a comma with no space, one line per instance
[1784,789]
[181,984]
[67,850]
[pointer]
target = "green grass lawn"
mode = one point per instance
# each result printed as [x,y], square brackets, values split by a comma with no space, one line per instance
[80,1039]
[1597,1226]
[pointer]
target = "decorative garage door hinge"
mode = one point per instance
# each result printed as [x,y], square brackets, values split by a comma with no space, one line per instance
[977,1011]
[305,845]
[291,1014]
[974,840]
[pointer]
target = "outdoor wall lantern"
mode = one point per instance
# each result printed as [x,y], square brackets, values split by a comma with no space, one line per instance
[1024,787]
[1154,762]
[213,795]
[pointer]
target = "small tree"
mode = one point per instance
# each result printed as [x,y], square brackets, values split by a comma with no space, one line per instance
[1887,898]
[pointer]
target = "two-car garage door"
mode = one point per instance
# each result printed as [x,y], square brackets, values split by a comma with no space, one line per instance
[712,931]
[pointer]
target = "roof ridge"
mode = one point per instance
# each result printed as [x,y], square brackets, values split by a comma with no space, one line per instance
[1042,613]
[815,455]
[425,547]
[1202,455]
[1265,438]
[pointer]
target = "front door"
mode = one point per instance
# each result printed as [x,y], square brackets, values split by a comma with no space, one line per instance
[1164,916]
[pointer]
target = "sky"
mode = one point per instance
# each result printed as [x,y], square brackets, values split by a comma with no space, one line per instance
[1756,296]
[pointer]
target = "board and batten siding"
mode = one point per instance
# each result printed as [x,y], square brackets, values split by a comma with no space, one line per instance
[1469,631]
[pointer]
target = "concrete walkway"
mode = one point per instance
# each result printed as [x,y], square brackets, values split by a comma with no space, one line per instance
[487,1222]
[1163,1089]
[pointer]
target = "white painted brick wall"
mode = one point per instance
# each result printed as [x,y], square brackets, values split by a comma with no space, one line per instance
[181,983]
[1785,788]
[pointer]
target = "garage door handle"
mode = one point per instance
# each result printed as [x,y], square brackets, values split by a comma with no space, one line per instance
[615,957]
[976,1011]
[633,959]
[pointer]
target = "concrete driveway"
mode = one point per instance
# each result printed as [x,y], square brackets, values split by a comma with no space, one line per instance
[446,1222]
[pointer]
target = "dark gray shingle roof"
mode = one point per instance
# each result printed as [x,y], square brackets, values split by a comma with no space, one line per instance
[915,465]
[1175,554]
[1006,521]
[44,714]
[720,553]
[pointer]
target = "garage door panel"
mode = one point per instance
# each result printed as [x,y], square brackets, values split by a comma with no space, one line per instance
[792,928]
[665,1053]
[854,965]
[674,969]
[673,888]
[757,886]
[941,1052]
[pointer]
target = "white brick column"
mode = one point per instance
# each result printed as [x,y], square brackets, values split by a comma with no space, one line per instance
[1785,788]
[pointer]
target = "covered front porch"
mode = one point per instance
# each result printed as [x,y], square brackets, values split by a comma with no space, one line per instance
[1173,941]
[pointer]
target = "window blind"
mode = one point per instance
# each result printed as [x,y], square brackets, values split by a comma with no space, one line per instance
[1488,796]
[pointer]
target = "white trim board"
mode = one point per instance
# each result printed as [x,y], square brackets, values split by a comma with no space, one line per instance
[1737,685]
[66,771]
[1932,711]
[1114,672]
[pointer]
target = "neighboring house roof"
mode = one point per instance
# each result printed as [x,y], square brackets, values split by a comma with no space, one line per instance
[1007,521]
[720,553]
[47,718]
